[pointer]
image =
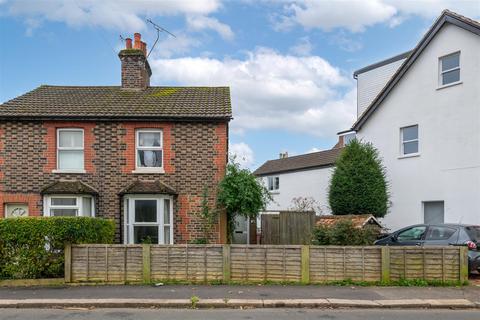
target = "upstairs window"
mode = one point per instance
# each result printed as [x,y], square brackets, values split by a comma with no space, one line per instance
[450,69]
[273,183]
[149,149]
[70,149]
[409,140]
[348,137]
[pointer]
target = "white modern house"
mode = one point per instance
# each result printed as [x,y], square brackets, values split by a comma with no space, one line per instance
[304,176]
[421,110]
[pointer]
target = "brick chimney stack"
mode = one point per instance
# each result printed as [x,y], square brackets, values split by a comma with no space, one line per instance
[136,70]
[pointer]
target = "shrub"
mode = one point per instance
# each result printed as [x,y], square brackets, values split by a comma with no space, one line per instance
[34,247]
[241,193]
[358,184]
[344,233]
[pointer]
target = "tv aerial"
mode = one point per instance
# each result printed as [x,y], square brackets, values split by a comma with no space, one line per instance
[159,29]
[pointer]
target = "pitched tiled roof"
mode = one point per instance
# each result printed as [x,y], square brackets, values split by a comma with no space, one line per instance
[359,221]
[69,187]
[100,102]
[302,162]
[447,16]
[148,187]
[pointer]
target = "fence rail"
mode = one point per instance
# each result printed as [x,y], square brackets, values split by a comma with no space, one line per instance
[260,263]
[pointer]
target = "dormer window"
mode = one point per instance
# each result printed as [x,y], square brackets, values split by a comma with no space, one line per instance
[449,67]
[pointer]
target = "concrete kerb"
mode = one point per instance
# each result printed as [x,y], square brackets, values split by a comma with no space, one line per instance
[240,303]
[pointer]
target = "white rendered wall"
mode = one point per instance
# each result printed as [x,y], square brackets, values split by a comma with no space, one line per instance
[308,183]
[448,167]
[371,82]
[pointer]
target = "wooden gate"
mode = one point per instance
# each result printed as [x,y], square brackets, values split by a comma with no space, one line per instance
[287,227]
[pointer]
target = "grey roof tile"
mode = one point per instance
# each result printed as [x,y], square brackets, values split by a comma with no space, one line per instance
[114,102]
[302,162]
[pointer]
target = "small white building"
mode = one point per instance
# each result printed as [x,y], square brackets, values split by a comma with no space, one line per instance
[421,110]
[305,176]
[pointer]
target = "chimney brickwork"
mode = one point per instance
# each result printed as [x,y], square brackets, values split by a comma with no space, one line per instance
[136,70]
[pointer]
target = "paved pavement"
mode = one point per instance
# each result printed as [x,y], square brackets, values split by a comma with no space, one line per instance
[471,293]
[221,314]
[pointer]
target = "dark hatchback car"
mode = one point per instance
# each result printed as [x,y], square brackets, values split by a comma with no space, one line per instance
[439,235]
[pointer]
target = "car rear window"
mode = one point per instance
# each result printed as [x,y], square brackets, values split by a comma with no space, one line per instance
[474,233]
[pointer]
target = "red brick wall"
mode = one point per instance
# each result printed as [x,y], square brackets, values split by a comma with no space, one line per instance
[32,199]
[194,159]
[50,140]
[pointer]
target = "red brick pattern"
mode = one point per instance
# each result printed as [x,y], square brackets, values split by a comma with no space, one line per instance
[194,159]
[50,140]
[129,140]
[33,200]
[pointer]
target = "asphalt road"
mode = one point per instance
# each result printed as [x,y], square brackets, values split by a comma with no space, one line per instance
[252,314]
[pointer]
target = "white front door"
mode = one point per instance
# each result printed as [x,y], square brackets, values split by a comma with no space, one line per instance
[149,219]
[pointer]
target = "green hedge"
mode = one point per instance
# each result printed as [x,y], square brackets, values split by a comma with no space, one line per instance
[34,247]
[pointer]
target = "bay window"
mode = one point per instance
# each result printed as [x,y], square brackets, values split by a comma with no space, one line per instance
[148,219]
[69,206]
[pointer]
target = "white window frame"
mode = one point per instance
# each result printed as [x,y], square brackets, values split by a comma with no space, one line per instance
[82,148]
[402,142]
[137,147]
[129,217]
[442,72]
[273,183]
[47,204]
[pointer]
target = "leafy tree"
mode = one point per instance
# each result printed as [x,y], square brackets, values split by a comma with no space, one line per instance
[358,184]
[241,193]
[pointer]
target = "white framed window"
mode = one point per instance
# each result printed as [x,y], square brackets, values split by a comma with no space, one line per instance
[70,149]
[449,69]
[409,140]
[69,206]
[273,183]
[347,138]
[148,219]
[149,150]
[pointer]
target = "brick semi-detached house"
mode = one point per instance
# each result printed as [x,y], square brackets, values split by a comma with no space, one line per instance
[135,153]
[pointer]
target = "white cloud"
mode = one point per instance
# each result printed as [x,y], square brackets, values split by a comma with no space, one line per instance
[303,47]
[243,154]
[356,15]
[314,149]
[171,46]
[345,42]
[125,15]
[271,90]
[199,23]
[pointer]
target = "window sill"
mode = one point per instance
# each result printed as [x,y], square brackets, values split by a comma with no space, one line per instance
[274,192]
[410,155]
[68,171]
[149,170]
[449,85]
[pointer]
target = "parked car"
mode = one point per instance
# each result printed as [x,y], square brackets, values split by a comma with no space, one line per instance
[441,234]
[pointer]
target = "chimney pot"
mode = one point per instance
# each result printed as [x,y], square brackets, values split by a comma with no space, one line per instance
[144,48]
[137,40]
[128,43]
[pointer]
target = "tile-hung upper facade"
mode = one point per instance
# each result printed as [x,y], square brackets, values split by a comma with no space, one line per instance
[138,154]
[425,122]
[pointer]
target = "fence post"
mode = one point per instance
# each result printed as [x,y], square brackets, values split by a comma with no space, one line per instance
[68,263]
[305,264]
[463,264]
[146,263]
[226,263]
[385,264]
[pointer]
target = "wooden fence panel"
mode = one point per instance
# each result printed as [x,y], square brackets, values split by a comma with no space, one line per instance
[259,263]
[270,225]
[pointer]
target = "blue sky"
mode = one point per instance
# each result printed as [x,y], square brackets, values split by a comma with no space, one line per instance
[289,63]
